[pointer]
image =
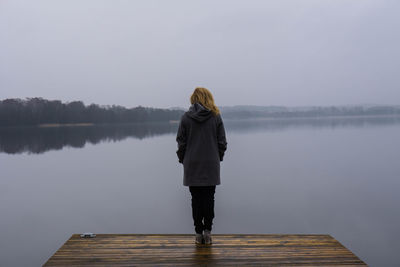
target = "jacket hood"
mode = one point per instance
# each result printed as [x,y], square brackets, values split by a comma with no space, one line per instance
[198,112]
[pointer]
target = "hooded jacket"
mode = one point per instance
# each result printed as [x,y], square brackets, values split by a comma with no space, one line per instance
[201,146]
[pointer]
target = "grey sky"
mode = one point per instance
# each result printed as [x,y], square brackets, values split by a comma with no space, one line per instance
[153,53]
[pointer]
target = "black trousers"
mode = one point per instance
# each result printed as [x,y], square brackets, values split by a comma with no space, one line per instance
[202,207]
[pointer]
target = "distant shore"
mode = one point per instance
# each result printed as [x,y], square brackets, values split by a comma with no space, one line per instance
[45,113]
[64,124]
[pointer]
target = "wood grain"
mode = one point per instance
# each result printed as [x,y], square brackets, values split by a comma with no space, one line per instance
[180,250]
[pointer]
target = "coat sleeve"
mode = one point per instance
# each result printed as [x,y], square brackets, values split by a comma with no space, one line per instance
[221,138]
[181,138]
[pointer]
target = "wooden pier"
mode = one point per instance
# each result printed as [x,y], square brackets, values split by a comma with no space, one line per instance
[180,250]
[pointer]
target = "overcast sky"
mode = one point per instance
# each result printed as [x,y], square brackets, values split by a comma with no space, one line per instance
[154,53]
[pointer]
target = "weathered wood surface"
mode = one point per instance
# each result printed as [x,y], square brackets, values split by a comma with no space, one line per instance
[180,250]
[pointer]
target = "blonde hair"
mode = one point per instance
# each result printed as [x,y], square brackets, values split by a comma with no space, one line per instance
[203,96]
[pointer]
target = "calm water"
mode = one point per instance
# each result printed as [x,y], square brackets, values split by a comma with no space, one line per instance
[330,176]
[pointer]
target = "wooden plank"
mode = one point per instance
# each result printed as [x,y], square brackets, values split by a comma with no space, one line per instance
[180,250]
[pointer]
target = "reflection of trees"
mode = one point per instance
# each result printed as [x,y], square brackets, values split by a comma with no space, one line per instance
[246,112]
[39,140]
[289,123]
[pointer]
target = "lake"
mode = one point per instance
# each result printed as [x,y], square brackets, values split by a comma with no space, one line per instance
[337,176]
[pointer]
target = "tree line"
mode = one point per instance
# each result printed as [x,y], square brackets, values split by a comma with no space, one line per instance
[35,111]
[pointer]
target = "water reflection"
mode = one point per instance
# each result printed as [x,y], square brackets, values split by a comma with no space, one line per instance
[41,139]
[38,140]
[290,123]
[306,176]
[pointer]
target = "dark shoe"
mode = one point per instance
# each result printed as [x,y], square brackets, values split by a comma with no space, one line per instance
[199,239]
[207,237]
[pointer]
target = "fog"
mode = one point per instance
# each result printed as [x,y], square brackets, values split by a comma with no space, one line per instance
[293,53]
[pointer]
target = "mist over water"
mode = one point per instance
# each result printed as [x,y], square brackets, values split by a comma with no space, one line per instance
[336,176]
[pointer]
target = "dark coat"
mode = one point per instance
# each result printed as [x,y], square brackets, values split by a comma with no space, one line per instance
[201,146]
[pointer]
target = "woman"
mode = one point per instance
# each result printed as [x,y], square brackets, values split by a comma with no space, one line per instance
[201,146]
